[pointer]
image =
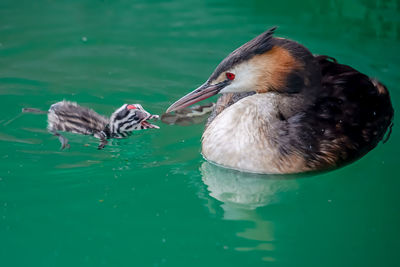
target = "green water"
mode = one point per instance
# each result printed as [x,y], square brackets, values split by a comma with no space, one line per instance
[151,200]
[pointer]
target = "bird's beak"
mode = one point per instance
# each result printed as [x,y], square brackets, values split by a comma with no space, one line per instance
[204,91]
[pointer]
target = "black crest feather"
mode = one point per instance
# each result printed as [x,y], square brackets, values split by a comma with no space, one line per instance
[259,45]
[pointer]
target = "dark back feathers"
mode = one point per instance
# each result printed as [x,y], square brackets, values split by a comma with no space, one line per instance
[352,114]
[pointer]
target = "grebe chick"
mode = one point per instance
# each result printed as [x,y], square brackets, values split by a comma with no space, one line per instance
[284,110]
[70,117]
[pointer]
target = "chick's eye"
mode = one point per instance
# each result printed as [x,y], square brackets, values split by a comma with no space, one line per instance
[230,76]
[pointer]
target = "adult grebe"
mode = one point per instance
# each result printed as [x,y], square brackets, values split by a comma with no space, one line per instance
[284,110]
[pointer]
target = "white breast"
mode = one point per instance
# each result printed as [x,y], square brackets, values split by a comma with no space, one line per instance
[241,137]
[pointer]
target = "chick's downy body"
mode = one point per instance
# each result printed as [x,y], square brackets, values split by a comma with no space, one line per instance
[68,116]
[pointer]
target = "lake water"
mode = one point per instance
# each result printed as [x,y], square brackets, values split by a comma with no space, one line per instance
[151,199]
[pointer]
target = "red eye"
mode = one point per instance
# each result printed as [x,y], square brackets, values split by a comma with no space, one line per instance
[130,107]
[230,76]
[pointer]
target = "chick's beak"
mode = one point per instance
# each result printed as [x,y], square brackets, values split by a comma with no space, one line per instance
[204,91]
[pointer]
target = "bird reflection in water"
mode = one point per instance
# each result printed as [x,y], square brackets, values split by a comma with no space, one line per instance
[242,195]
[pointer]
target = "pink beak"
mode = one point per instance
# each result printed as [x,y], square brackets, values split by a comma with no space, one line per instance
[204,91]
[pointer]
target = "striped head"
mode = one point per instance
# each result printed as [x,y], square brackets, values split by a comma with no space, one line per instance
[128,118]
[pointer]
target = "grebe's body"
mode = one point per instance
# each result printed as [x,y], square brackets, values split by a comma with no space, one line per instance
[284,110]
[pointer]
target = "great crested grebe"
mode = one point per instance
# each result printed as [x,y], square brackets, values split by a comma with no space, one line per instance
[70,117]
[284,110]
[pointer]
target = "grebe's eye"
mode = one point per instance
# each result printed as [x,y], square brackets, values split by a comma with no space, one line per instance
[130,107]
[230,76]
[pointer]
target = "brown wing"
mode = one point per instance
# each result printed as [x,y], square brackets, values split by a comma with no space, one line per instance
[349,118]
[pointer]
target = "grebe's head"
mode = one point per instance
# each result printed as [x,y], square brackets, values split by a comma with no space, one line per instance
[264,64]
[130,117]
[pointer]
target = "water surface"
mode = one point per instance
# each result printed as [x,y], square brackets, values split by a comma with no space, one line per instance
[151,200]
